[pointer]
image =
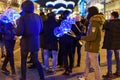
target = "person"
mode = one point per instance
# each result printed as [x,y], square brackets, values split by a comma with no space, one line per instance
[112,44]
[67,45]
[44,18]
[2,41]
[78,44]
[50,42]
[60,55]
[9,39]
[29,27]
[92,39]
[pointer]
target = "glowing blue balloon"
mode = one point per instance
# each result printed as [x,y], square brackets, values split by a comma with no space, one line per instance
[10,15]
[64,28]
[58,32]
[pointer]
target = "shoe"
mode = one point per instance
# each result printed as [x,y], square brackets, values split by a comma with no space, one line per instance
[52,72]
[66,73]
[78,65]
[70,71]
[3,55]
[2,59]
[81,78]
[13,73]
[32,67]
[30,61]
[108,75]
[47,71]
[5,71]
[91,70]
[116,74]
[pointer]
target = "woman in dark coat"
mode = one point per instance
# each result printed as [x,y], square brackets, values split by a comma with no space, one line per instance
[29,27]
[50,41]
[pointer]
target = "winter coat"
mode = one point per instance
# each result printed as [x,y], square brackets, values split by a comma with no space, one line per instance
[29,27]
[115,31]
[107,36]
[50,40]
[93,36]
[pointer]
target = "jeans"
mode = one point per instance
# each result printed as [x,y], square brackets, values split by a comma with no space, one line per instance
[54,59]
[34,56]
[109,60]
[78,45]
[92,59]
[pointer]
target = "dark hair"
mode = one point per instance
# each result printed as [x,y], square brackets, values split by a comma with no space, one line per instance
[27,6]
[51,16]
[92,11]
[65,14]
[115,14]
[42,13]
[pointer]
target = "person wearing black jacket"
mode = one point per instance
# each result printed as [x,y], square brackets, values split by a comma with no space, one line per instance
[112,43]
[78,31]
[68,42]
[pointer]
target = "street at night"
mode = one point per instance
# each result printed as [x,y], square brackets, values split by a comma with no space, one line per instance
[32,74]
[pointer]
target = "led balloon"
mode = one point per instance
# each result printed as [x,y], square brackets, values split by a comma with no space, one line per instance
[10,15]
[64,28]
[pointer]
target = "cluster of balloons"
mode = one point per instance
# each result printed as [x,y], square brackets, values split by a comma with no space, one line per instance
[9,15]
[64,28]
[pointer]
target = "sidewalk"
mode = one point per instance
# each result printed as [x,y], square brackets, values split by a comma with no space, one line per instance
[33,75]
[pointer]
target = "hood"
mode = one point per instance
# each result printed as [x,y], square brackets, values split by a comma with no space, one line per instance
[99,17]
[27,7]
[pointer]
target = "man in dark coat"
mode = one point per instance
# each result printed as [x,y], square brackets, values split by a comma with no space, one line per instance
[29,27]
[112,43]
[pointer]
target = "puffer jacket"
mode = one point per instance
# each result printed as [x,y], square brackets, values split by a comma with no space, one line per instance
[93,36]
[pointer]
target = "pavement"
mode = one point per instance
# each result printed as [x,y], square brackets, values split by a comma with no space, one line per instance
[32,74]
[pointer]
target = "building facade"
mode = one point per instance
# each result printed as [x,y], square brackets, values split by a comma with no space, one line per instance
[15,4]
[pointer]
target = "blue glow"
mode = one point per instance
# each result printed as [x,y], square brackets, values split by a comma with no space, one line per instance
[82,7]
[10,15]
[33,0]
[64,28]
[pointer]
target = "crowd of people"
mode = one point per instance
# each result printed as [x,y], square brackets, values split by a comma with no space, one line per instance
[37,32]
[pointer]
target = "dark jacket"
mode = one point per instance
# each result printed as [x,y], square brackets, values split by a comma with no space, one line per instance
[1,30]
[115,31]
[29,27]
[107,36]
[50,40]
